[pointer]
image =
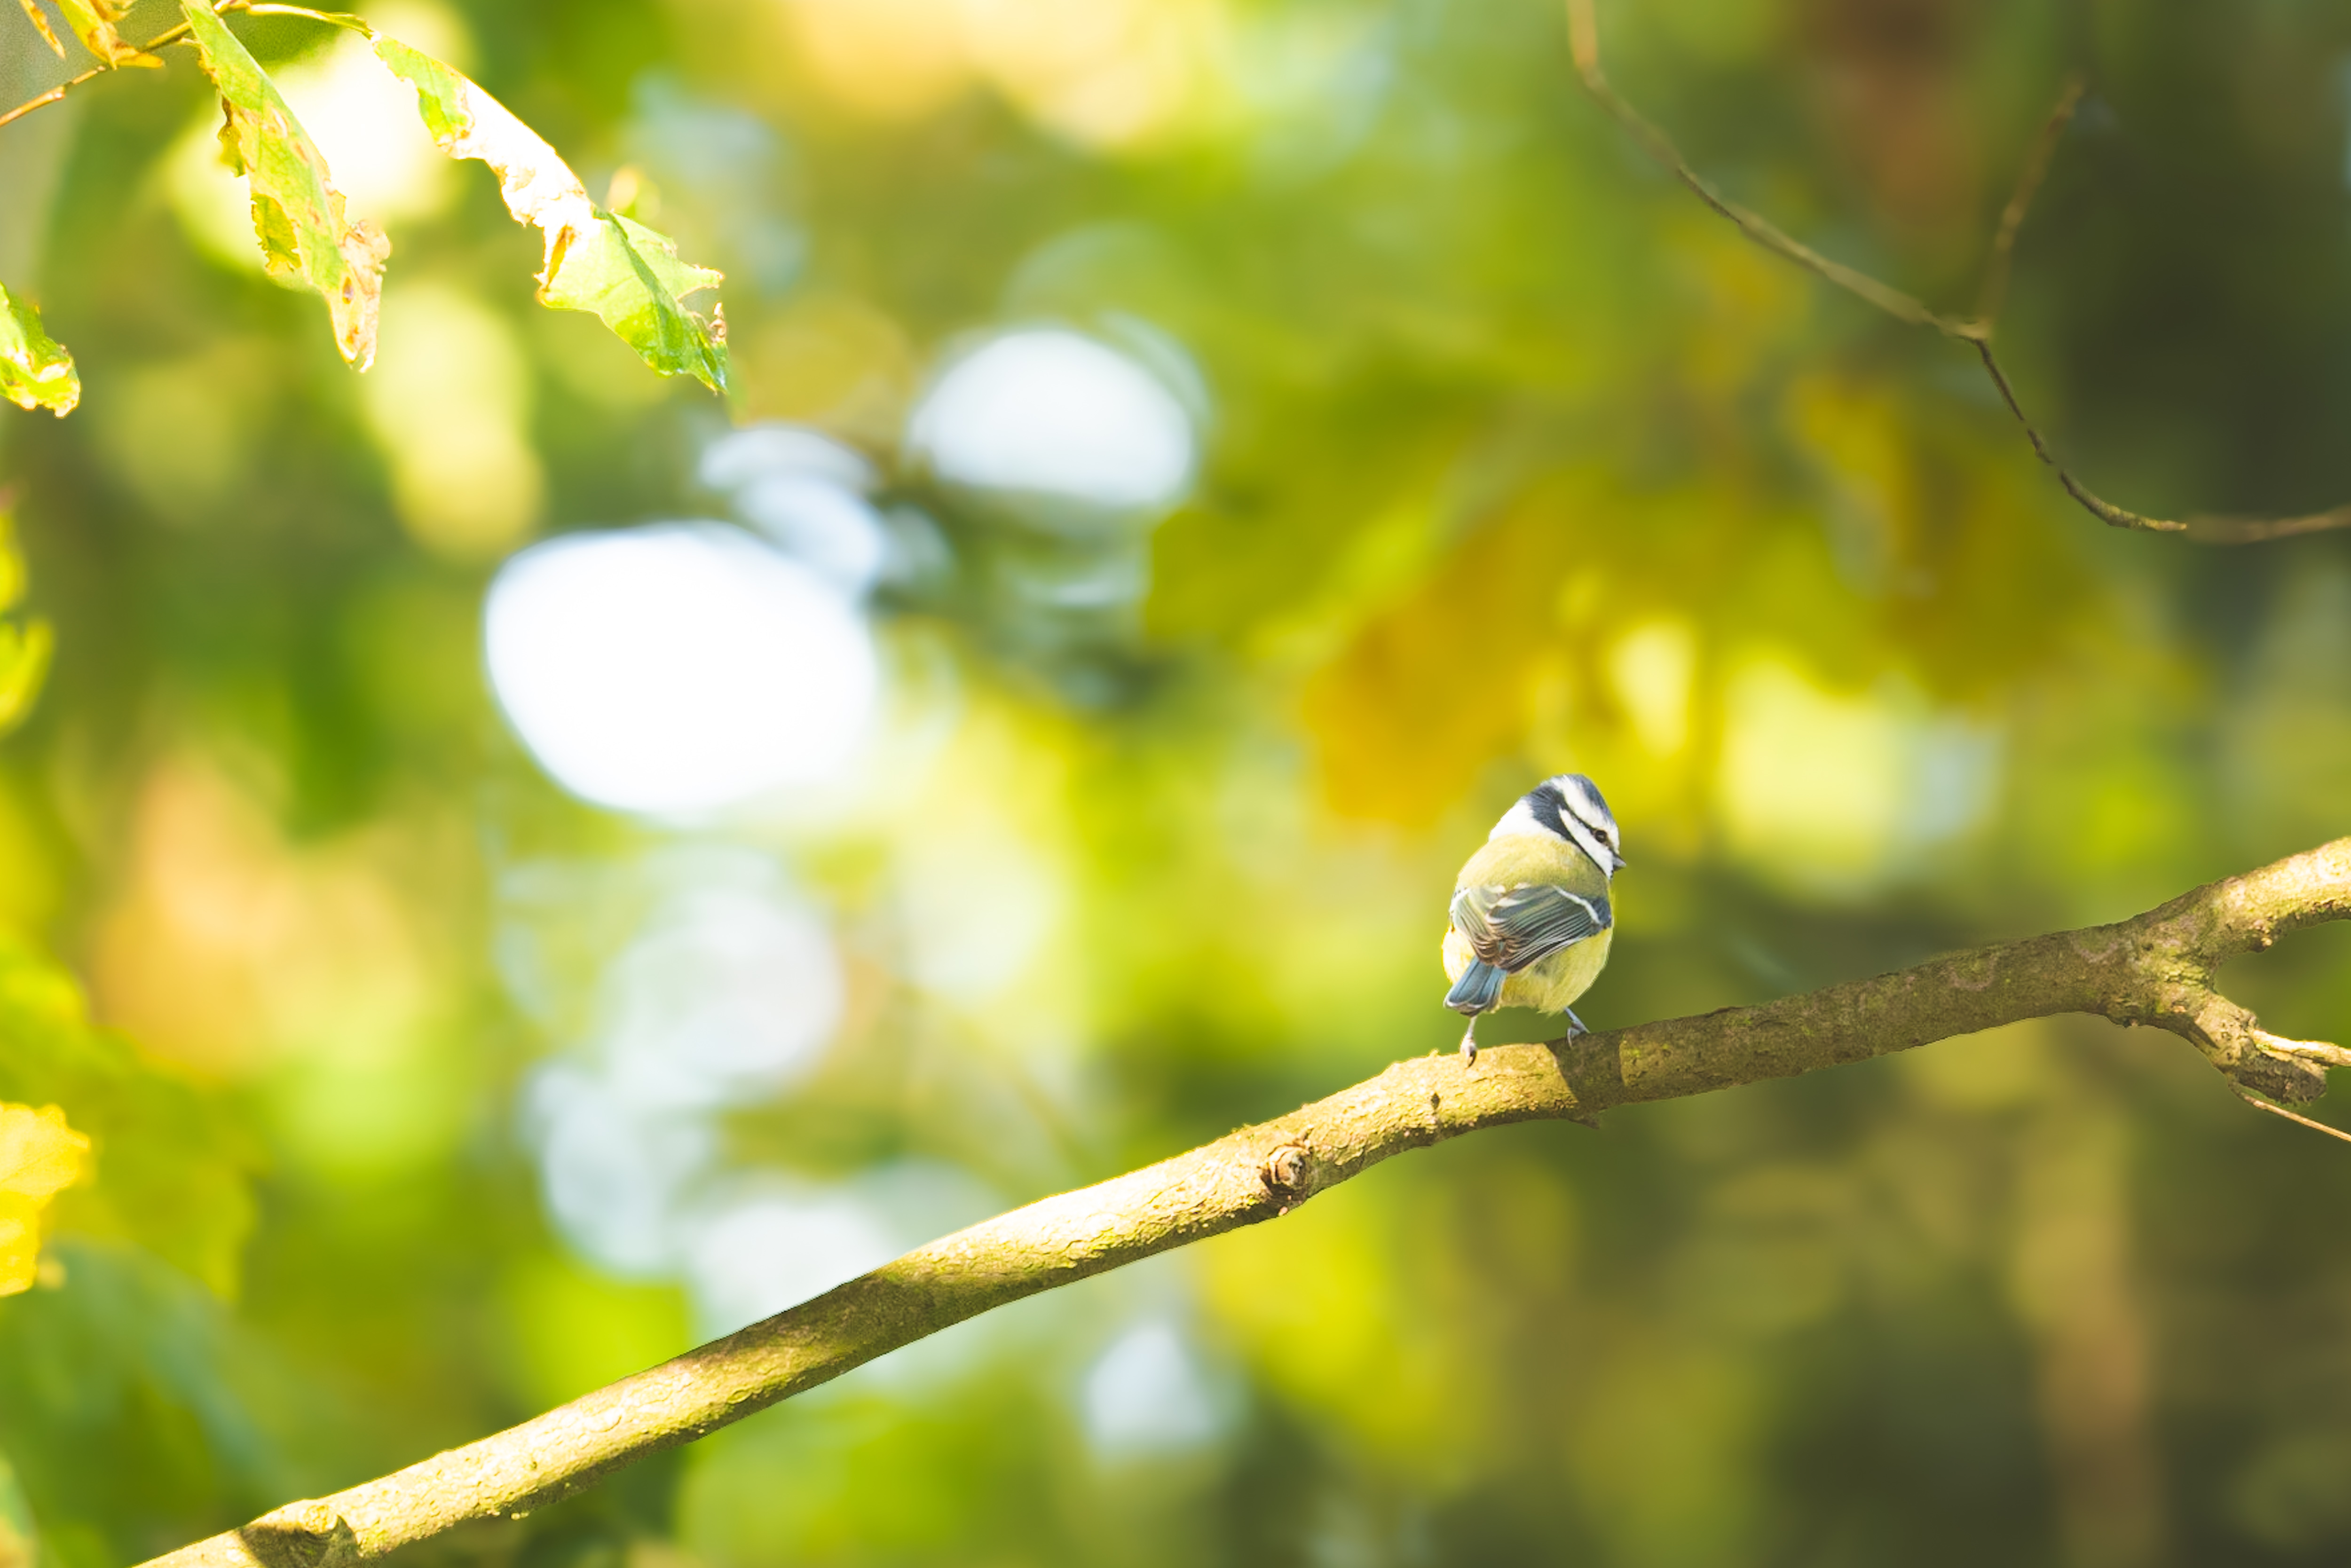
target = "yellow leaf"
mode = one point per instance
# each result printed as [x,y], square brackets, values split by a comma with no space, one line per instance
[93,23]
[40,1156]
[40,20]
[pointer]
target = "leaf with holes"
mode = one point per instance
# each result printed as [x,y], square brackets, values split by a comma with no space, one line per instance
[36,372]
[298,213]
[40,20]
[627,275]
[93,23]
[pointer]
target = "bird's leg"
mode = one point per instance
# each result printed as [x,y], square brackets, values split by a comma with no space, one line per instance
[1469,1044]
[1574,1024]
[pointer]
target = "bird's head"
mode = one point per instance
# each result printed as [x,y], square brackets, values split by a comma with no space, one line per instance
[1568,806]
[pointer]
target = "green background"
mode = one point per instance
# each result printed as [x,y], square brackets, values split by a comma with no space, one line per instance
[1515,460]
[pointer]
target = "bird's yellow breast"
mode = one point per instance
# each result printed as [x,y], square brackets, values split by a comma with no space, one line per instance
[1552,983]
[1549,985]
[1515,858]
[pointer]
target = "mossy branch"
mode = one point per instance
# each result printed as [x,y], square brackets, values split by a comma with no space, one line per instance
[2158,969]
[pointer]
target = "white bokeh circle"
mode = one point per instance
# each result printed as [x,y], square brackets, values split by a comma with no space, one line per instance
[678,668]
[1046,411]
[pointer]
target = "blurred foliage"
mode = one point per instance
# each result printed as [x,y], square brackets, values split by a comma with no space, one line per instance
[1514,459]
[41,1156]
[35,371]
[25,649]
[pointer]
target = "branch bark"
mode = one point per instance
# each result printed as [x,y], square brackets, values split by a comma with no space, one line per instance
[2157,970]
[1584,38]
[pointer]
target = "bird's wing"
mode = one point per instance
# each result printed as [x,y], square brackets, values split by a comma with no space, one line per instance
[1512,928]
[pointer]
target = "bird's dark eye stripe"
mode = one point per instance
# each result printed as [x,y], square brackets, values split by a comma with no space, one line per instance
[1543,804]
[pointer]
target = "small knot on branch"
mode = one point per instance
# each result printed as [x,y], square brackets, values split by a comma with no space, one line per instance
[2275,1074]
[302,1535]
[1286,1173]
[2250,1057]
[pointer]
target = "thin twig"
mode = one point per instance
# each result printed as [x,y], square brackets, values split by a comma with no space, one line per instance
[1994,293]
[52,96]
[344,19]
[1583,35]
[2097,506]
[169,36]
[2253,530]
[1583,38]
[2258,1103]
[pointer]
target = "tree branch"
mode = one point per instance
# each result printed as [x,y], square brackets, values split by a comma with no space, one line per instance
[2157,968]
[1583,38]
[1994,292]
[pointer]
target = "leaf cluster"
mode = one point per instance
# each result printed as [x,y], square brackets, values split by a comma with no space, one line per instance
[627,275]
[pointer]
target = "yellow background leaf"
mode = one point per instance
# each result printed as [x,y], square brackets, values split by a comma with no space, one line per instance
[40,1156]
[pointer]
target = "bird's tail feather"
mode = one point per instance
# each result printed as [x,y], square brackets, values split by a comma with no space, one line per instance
[1476,990]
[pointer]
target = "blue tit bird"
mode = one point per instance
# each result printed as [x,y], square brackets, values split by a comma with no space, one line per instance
[1531,920]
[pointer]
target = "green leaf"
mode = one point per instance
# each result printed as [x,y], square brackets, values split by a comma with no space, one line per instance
[297,214]
[628,274]
[630,277]
[36,372]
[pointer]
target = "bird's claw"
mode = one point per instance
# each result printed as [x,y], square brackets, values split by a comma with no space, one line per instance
[1574,1024]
